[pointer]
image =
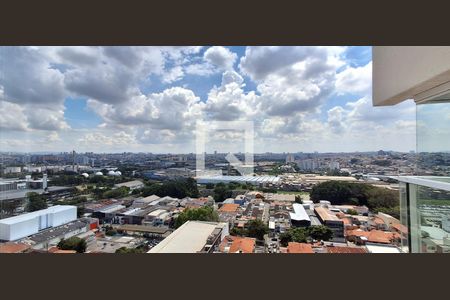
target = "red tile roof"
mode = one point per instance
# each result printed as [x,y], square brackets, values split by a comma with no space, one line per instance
[375,236]
[343,249]
[299,248]
[13,248]
[229,207]
[242,245]
[400,228]
[378,221]
[57,250]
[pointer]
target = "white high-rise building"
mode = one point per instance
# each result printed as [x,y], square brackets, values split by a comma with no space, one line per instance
[334,165]
[290,158]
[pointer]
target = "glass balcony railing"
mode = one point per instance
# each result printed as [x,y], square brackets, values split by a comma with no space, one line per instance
[425,199]
[425,212]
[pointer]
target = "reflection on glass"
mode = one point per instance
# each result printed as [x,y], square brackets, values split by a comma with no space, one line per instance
[433,218]
[404,217]
[433,138]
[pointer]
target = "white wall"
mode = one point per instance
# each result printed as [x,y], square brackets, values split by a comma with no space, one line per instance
[63,217]
[22,229]
[28,224]
[400,73]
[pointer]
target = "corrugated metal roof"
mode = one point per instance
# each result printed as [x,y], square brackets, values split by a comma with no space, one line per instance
[299,213]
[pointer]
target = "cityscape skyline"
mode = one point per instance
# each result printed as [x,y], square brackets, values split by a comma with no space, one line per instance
[148,99]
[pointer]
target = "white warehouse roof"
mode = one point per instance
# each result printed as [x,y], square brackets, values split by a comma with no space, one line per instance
[34,214]
[24,225]
[191,237]
[241,179]
[299,213]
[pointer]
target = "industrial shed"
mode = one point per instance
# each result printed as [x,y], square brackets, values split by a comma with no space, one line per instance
[21,226]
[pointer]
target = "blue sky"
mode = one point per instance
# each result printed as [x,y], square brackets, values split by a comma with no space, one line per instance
[150,99]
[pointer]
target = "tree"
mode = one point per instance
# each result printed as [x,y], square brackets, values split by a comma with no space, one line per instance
[191,188]
[180,188]
[80,211]
[129,250]
[257,229]
[209,186]
[382,198]
[392,211]
[299,235]
[352,212]
[298,199]
[221,192]
[123,191]
[322,233]
[73,243]
[237,231]
[354,161]
[382,162]
[205,213]
[35,202]
[285,238]
[9,207]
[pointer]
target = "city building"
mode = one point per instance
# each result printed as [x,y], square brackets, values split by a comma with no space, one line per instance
[279,197]
[254,180]
[378,248]
[50,237]
[290,159]
[299,217]
[345,250]
[361,237]
[193,237]
[14,247]
[331,221]
[299,248]
[132,185]
[236,244]
[20,226]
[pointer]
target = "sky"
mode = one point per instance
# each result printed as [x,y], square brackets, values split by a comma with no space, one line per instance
[150,99]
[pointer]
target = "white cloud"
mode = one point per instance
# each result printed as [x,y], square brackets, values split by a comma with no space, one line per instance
[173,75]
[29,79]
[12,116]
[171,109]
[220,57]
[229,101]
[292,79]
[355,80]
[287,98]
[100,140]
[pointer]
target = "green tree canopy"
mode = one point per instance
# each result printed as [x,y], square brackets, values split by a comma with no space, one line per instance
[339,192]
[352,212]
[298,235]
[302,235]
[221,192]
[179,188]
[205,213]
[123,191]
[257,229]
[73,243]
[129,250]
[8,207]
[35,202]
[321,233]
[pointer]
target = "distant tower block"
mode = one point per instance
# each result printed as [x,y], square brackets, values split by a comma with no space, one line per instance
[73,160]
[44,181]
